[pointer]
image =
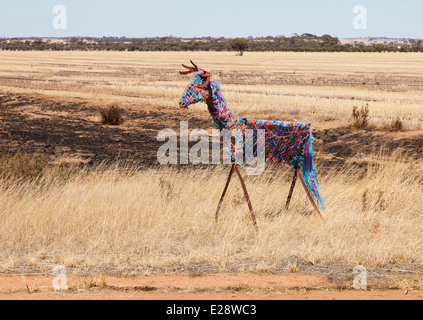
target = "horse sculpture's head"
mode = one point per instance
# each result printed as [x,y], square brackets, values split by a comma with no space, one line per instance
[199,88]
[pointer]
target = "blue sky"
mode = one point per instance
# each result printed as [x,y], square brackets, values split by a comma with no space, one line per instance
[216,18]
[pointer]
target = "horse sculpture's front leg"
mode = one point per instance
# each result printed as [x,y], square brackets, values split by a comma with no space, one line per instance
[294,181]
[250,207]
[224,192]
[234,166]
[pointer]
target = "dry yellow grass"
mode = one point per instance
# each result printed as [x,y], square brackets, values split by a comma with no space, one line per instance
[161,219]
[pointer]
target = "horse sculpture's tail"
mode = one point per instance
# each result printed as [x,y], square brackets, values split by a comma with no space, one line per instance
[310,174]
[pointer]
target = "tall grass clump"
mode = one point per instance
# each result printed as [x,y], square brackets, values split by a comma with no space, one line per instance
[112,116]
[361,117]
[22,167]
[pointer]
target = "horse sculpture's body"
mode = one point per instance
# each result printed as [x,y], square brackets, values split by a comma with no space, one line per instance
[288,143]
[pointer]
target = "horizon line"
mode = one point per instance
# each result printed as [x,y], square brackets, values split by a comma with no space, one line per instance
[212,37]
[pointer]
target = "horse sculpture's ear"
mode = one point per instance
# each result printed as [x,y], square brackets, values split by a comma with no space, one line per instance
[190,69]
[195,66]
[206,75]
[193,69]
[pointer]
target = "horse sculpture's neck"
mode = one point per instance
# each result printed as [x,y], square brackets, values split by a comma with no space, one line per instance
[222,116]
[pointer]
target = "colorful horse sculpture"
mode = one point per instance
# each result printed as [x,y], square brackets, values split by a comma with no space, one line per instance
[287,143]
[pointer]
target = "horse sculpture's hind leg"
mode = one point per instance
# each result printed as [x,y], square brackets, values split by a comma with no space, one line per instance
[294,180]
[310,197]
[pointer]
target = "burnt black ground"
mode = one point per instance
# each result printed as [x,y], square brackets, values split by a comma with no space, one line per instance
[71,128]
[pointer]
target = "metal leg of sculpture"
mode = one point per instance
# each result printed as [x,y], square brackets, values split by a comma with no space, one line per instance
[253,217]
[224,192]
[310,197]
[294,181]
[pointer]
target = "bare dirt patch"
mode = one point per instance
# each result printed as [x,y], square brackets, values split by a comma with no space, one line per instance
[207,287]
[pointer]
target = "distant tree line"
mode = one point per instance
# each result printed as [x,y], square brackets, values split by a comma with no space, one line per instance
[299,43]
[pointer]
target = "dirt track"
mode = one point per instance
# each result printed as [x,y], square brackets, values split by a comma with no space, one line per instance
[208,287]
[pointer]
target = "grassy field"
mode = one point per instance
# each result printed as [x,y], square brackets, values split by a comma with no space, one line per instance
[133,220]
[320,88]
